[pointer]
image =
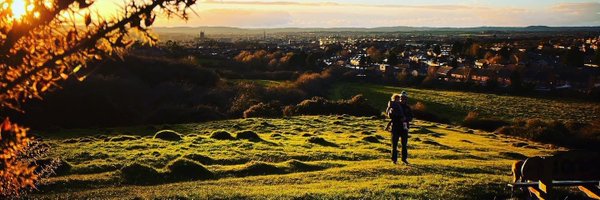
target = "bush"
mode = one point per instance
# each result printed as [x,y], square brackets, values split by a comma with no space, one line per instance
[268,110]
[135,90]
[140,174]
[221,135]
[569,134]
[473,121]
[169,135]
[248,134]
[357,106]
[185,169]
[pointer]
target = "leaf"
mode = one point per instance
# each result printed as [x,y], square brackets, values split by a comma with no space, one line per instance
[88,19]
[6,126]
[76,69]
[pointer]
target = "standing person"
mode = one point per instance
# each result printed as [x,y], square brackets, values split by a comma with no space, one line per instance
[396,114]
[408,116]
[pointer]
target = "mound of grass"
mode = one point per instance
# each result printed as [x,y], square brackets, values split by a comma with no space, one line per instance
[200,158]
[371,139]
[421,130]
[434,143]
[307,135]
[169,135]
[248,135]
[299,166]
[221,135]
[123,138]
[140,174]
[276,135]
[321,141]
[186,169]
[256,168]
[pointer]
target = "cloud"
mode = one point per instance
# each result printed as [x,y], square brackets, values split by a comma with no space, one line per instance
[235,18]
[334,4]
[257,13]
[577,13]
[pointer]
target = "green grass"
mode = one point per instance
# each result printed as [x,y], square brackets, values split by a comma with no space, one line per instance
[447,161]
[455,105]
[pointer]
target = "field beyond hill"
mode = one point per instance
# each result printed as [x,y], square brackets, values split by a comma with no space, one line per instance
[454,105]
[307,157]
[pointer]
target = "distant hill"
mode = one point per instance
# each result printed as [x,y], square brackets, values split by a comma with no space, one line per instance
[233,30]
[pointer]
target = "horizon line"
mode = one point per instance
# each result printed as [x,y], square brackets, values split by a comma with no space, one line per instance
[399,26]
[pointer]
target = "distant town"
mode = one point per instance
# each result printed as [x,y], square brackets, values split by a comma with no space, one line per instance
[530,59]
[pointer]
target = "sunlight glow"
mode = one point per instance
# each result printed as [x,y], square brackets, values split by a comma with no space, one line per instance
[19,8]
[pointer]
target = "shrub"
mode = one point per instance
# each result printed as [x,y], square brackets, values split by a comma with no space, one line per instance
[221,135]
[185,169]
[248,134]
[356,106]
[169,135]
[472,120]
[135,90]
[140,174]
[569,134]
[19,155]
[268,110]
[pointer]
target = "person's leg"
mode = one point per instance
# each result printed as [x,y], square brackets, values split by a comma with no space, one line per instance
[395,138]
[404,142]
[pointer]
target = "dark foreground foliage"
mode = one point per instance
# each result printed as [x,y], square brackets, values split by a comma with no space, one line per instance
[569,134]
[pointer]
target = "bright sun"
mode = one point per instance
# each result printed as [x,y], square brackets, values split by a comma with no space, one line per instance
[19,8]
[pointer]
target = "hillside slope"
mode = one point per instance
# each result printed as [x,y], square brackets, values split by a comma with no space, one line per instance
[454,105]
[328,157]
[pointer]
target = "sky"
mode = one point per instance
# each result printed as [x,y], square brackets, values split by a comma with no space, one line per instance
[385,13]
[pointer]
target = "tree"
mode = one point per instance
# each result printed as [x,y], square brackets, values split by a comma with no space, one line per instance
[596,59]
[54,40]
[374,54]
[457,48]
[437,50]
[574,57]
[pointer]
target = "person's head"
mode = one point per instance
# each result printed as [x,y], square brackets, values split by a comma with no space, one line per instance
[396,97]
[404,97]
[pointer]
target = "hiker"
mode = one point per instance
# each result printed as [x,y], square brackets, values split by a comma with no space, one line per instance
[401,116]
[405,125]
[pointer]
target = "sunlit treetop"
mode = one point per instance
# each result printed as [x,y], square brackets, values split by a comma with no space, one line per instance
[43,42]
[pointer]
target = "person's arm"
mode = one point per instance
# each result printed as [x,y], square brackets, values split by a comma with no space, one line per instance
[388,125]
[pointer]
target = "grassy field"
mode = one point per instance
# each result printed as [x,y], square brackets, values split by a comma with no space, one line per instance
[455,105]
[308,157]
